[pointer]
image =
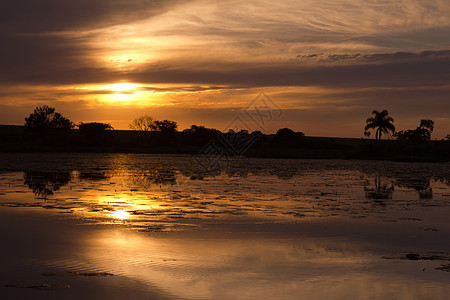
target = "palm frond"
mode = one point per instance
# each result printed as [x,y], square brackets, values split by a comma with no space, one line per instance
[370,126]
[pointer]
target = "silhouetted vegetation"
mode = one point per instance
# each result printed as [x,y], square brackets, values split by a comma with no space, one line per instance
[143,123]
[146,123]
[165,126]
[420,134]
[286,136]
[45,119]
[46,126]
[201,131]
[382,122]
[47,130]
[198,135]
[94,132]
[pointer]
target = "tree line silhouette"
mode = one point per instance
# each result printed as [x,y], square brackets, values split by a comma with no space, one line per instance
[45,119]
[48,130]
[384,124]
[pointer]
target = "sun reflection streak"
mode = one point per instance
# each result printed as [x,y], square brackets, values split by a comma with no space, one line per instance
[121,215]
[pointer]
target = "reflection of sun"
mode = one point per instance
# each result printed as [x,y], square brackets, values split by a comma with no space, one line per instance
[121,214]
[121,87]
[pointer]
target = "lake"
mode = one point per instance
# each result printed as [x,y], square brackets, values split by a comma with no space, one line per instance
[140,226]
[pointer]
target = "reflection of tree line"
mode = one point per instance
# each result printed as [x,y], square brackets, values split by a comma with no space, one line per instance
[383,188]
[44,184]
[160,177]
[421,185]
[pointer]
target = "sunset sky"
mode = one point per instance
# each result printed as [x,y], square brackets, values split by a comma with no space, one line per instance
[326,63]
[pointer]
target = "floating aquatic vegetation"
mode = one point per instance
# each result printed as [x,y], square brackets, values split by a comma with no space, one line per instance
[73,274]
[421,256]
[38,286]
[445,268]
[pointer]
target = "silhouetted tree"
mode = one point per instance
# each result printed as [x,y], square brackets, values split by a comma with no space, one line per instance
[382,122]
[420,134]
[427,124]
[285,133]
[94,132]
[86,128]
[45,118]
[165,126]
[201,130]
[286,137]
[143,123]
[198,135]
[447,137]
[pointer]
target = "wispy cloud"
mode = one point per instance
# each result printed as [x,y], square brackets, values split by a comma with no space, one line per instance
[313,55]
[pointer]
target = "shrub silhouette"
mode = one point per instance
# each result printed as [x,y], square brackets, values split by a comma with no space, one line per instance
[143,123]
[45,118]
[94,132]
[165,126]
[420,134]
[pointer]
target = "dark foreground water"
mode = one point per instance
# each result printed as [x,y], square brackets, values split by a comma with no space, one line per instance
[119,226]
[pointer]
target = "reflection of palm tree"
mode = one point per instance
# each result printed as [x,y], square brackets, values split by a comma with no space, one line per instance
[381,190]
[381,122]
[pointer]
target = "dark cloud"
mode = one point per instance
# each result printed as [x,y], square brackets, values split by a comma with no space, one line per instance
[423,69]
[184,89]
[383,57]
[24,57]
[30,16]
[435,37]
[380,70]
[32,52]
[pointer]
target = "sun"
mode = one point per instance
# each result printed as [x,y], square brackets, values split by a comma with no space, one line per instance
[122,87]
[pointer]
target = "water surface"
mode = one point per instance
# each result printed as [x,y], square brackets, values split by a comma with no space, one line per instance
[256,228]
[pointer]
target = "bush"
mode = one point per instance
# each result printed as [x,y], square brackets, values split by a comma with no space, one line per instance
[94,132]
[46,118]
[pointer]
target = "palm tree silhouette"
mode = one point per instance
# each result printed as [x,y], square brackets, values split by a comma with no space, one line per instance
[382,122]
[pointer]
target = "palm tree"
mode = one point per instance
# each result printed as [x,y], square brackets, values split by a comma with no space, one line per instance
[381,122]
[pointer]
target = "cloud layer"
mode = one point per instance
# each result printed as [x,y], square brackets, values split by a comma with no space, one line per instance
[345,55]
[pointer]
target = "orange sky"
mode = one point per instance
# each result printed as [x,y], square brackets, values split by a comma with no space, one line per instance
[326,64]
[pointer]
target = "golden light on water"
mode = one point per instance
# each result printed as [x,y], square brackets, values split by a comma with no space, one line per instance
[121,215]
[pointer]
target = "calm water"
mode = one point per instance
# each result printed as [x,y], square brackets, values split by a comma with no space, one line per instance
[255,229]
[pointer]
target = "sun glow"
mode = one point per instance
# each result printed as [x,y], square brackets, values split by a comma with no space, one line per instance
[122,87]
[121,215]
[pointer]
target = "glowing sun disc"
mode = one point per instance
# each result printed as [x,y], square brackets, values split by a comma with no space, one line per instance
[120,87]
